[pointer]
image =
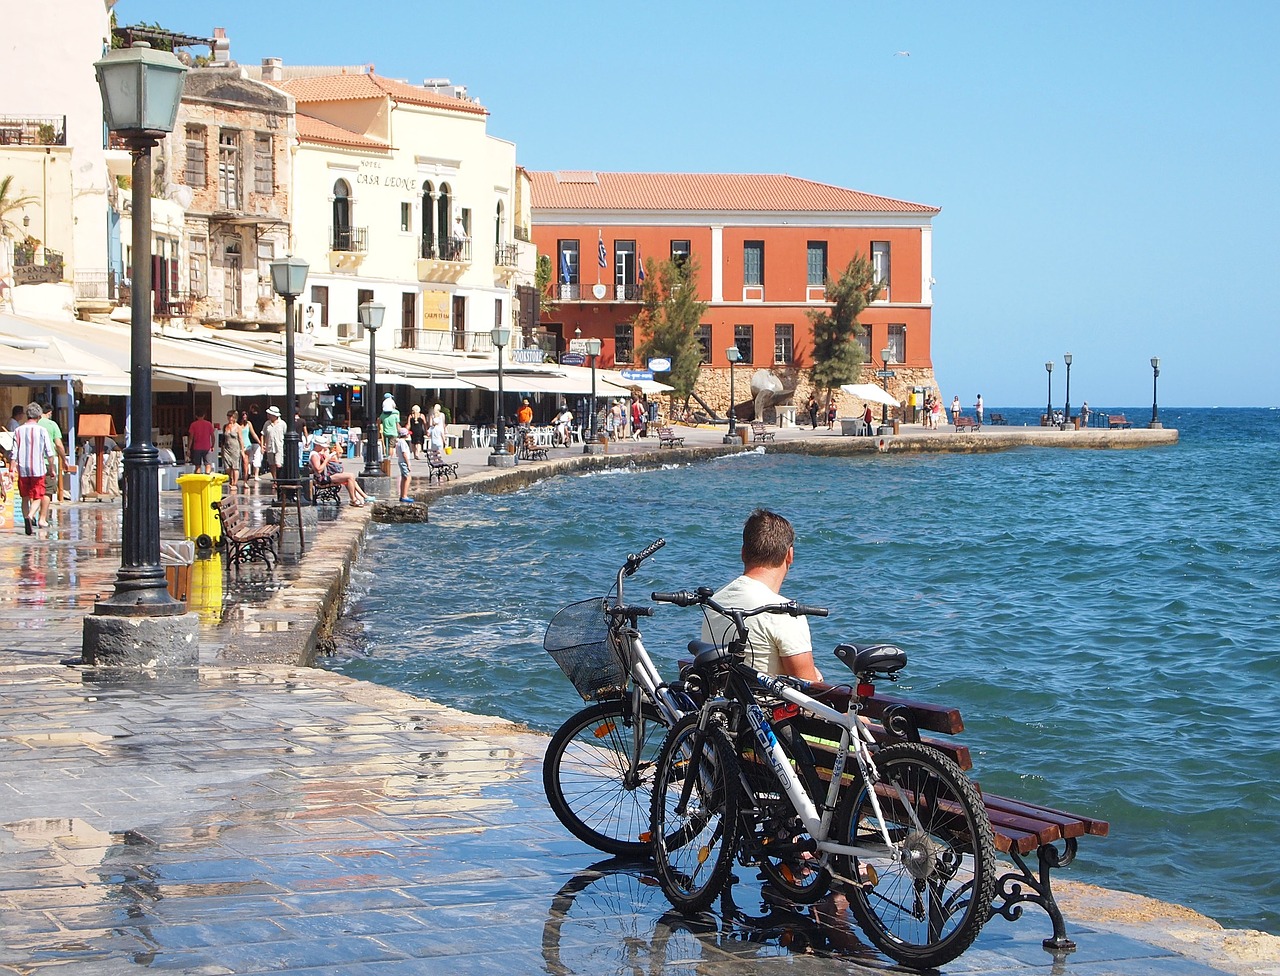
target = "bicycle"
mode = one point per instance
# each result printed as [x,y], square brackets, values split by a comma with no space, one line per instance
[907,838]
[598,769]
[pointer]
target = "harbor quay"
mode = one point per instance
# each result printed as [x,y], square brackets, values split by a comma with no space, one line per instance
[255,814]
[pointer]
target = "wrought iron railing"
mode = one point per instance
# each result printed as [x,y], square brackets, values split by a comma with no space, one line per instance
[627,293]
[33,130]
[456,249]
[173,304]
[354,239]
[505,256]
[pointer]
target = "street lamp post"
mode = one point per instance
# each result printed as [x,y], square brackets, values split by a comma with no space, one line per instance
[1155,375]
[501,335]
[370,314]
[1048,414]
[141,90]
[734,355]
[1066,417]
[593,350]
[885,353]
[288,278]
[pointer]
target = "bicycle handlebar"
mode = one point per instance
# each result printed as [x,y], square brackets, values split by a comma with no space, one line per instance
[684,598]
[636,558]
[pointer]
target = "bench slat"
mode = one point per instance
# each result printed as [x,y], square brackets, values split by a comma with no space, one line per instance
[1074,825]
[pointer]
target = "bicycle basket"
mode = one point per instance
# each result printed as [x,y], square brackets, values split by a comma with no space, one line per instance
[578,640]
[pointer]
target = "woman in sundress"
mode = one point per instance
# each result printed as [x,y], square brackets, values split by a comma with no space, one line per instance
[232,449]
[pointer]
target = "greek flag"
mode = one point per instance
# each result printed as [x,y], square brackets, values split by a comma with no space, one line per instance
[604,257]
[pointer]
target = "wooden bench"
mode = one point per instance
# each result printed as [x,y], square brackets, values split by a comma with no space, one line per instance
[998,419]
[438,469]
[243,541]
[1117,420]
[1021,829]
[759,433]
[967,423]
[667,437]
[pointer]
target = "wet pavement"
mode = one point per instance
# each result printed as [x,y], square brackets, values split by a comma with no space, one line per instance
[254,815]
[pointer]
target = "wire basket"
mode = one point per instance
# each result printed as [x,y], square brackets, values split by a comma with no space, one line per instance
[578,640]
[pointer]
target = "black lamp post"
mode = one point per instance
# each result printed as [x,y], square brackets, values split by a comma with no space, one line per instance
[734,355]
[141,89]
[1048,416]
[885,353]
[501,335]
[1155,375]
[288,278]
[1066,417]
[371,314]
[593,350]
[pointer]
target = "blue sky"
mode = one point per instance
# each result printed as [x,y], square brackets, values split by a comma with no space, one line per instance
[1106,171]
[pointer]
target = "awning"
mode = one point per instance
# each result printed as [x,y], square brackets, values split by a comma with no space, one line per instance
[231,382]
[870,392]
[52,359]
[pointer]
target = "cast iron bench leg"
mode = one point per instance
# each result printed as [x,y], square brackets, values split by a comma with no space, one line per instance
[1009,891]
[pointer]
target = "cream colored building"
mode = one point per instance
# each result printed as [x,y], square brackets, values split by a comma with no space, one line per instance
[402,197]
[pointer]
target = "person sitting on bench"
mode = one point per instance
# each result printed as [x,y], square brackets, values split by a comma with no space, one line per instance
[327,469]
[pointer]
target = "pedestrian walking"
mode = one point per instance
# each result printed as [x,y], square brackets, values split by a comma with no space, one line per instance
[32,448]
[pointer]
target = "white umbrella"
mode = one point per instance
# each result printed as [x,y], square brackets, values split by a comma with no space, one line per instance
[869,391]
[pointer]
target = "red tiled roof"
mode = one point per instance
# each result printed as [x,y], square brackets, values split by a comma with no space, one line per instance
[318,130]
[345,88]
[585,190]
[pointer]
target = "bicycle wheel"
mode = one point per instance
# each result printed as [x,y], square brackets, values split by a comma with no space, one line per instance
[785,862]
[922,901]
[585,776]
[693,849]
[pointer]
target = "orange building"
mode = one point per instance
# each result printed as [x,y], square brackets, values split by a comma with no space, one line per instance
[764,245]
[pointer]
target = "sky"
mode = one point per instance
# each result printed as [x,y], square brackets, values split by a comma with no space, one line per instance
[1107,171]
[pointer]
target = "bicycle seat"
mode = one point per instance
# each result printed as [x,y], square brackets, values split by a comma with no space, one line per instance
[704,653]
[872,658]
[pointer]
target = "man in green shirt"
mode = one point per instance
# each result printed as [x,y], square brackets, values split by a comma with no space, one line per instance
[389,423]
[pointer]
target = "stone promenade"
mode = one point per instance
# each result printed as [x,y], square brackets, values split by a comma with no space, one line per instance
[254,815]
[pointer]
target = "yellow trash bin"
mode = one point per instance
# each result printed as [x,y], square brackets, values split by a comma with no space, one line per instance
[199,518]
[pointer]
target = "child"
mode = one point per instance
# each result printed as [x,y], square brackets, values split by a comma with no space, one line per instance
[403,453]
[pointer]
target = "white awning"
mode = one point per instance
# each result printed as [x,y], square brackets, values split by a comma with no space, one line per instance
[231,382]
[870,392]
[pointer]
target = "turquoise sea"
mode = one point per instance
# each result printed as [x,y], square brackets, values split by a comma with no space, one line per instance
[1108,622]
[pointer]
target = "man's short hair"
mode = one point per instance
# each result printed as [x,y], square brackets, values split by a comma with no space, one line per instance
[34,411]
[766,538]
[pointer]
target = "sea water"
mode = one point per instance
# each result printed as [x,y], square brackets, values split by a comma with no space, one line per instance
[1108,622]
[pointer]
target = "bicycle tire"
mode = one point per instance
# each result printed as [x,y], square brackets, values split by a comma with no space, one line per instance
[924,902]
[584,776]
[796,880]
[693,851]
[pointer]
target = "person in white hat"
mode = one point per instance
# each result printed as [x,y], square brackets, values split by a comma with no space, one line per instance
[273,441]
[388,424]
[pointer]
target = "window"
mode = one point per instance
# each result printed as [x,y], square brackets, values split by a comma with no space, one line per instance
[623,343]
[406,217]
[880,266]
[897,343]
[817,274]
[264,165]
[320,296]
[864,340]
[362,295]
[266,254]
[680,253]
[742,339]
[428,249]
[198,266]
[704,340]
[229,170]
[784,342]
[340,232]
[196,173]
[753,263]
[624,270]
[567,273]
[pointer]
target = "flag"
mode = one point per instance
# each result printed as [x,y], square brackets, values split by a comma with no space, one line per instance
[639,265]
[604,257]
[564,267]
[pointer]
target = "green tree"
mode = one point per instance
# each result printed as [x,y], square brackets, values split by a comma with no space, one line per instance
[837,354]
[10,205]
[542,282]
[669,317]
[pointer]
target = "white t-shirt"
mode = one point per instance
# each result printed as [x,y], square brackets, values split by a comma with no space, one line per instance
[770,636]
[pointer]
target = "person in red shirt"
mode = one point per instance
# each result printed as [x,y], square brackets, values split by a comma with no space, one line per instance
[200,443]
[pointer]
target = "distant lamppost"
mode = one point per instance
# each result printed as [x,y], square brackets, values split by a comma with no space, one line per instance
[370,314]
[501,335]
[593,350]
[141,90]
[1155,376]
[288,278]
[885,353]
[1048,414]
[734,355]
[1066,417]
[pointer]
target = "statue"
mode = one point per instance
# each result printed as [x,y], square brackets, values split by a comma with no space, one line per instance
[769,392]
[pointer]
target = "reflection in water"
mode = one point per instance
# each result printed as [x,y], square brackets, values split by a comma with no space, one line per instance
[613,917]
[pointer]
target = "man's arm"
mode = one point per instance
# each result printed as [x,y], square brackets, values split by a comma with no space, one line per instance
[801,666]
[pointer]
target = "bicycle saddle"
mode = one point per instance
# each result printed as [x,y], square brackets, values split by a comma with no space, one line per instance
[872,658]
[705,652]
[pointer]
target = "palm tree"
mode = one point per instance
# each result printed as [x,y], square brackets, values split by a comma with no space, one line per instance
[9,206]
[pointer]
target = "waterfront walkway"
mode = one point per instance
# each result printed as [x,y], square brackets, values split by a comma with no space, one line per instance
[255,815]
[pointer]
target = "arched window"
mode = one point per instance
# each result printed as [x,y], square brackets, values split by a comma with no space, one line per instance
[341,216]
[499,230]
[444,207]
[428,221]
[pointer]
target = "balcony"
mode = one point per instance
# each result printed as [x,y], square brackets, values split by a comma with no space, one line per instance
[443,260]
[506,259]
[33,130]
[347,247]
[171,305]
[575,292]
[444,341]
[95,290]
